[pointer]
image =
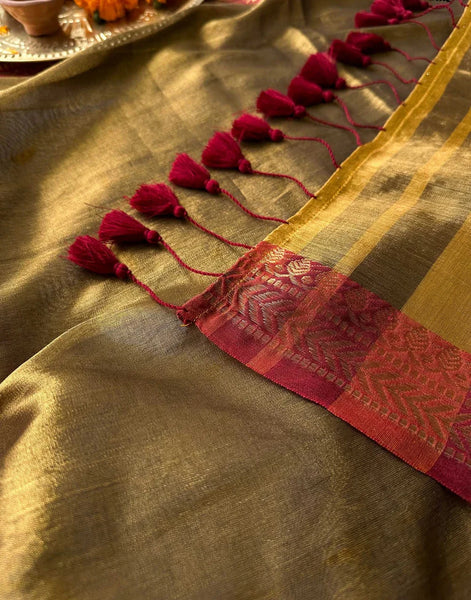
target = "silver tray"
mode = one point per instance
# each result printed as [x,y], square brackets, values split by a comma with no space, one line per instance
[79,31]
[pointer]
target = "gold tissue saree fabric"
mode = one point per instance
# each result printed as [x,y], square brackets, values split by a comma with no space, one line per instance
[139,461]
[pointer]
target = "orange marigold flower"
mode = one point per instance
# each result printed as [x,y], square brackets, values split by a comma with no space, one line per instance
[86,4]
[110,10]
[130,4]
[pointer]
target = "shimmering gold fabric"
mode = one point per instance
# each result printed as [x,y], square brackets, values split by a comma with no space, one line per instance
[137,460]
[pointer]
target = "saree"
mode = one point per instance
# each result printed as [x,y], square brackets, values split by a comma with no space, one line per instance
[139,459]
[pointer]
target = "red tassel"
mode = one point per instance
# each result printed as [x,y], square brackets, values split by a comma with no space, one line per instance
[180,177]
[91,254]
[187,173]
[391,12]
[250,128]
[351,55]
[274,104]
[158,200]
[378,17]
[391,9]
[395,12]
[368,43]
[320,68]
[118,226]
[424,8]
[306,93]
[348,54]
[223,152]
[371,43]
[368,19]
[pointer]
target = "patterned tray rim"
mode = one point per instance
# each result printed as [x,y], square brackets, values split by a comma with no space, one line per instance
[135,33]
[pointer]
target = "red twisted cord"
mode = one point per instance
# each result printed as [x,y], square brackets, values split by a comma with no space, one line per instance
[316,139]
[337,126]
[152,294]
[184,264]
[393,71]
[216,235]
[370,83]
[409,57]
[354,123]
[249,212]
[283,176]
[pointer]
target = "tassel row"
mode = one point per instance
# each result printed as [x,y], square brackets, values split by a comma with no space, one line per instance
[393,12]
[315,84]
[95,256]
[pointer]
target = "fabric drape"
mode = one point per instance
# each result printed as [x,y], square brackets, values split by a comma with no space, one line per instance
[138,460]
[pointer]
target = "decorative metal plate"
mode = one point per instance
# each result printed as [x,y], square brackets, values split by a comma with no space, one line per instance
[79,31]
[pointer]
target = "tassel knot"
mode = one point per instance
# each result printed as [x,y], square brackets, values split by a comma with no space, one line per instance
[223,152]
[118,226]
[276,135]
[152,237]
[275,104]
[251,128]
[340,83]
[187,173]
[304,92]
[91,254]
[179,212]
[393,21]
[327,96]
[369,19]
[244,166]
[212,187]
[320,68]
[299,112]
[157,200]
[248,128]
[121,271]
[368,43]
[348,54]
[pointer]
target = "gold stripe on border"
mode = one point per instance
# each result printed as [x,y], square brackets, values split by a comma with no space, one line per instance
[347,183]
[411,195]
[445,291]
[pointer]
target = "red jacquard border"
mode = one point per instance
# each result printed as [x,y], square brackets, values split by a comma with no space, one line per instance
[323,336]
